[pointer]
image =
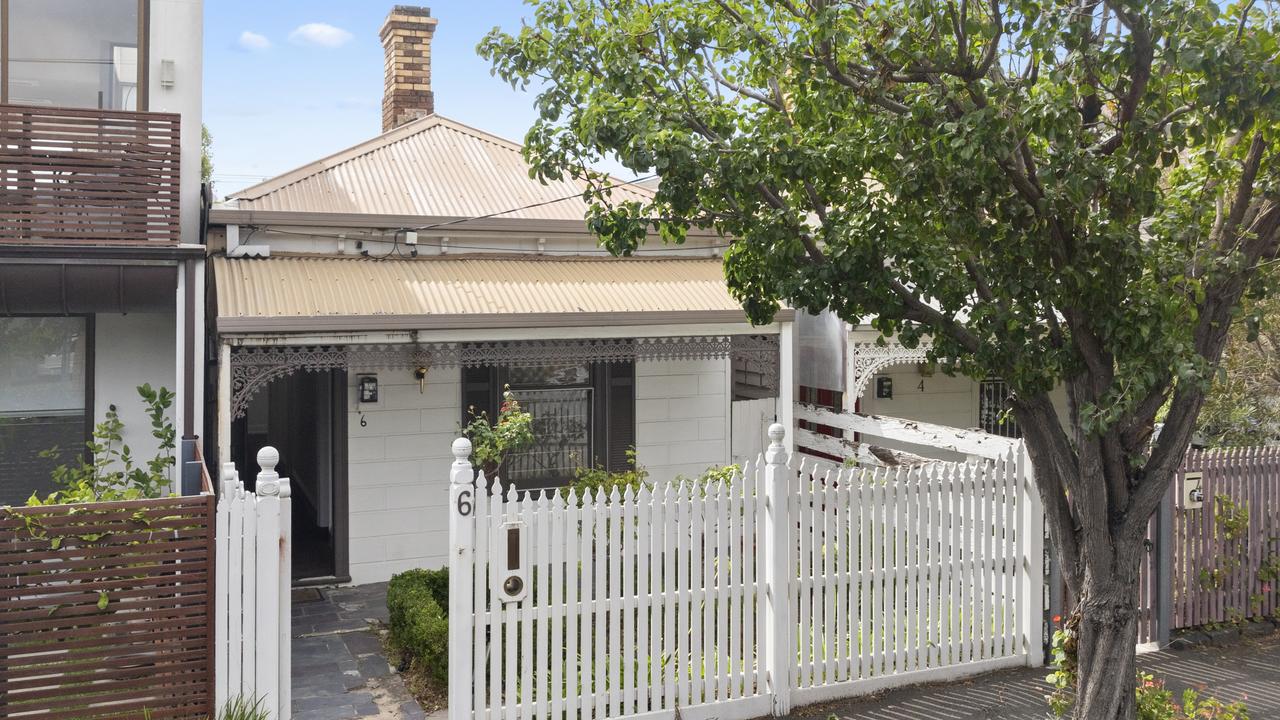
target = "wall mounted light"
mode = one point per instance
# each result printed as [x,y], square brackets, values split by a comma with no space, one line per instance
[420,374]
[884,388]
[168,74]
[367,389]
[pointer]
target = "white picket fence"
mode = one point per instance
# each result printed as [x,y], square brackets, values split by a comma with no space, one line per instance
[252,589]
[789,583]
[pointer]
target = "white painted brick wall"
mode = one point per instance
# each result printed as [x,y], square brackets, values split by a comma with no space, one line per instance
[682,416]
[399,461]
[398,467]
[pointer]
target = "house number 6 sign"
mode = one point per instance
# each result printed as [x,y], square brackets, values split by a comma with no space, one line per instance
[464,503]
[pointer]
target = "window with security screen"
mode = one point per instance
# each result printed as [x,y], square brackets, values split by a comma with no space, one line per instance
[583,416]
[562,437]
[993,405]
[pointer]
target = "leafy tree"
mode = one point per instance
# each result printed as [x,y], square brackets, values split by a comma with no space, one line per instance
[206,155]
[1243,407]
[1074,192]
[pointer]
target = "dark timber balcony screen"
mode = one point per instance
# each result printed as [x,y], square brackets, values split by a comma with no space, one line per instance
[88,176]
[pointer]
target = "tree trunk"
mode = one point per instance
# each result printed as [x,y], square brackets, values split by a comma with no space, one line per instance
[1107,638]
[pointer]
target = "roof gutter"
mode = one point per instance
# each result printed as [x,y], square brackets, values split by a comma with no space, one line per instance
[479,321]
[455,225]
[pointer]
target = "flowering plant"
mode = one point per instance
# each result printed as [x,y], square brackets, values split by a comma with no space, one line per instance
[492,442]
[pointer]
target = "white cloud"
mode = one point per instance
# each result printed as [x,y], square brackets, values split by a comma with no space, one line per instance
[250,40]
[320,34]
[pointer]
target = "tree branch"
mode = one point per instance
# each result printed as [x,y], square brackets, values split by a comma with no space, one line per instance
[921,312]
[1054,460]
[742,90]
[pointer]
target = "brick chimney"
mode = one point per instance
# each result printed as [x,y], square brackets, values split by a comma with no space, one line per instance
[406,37]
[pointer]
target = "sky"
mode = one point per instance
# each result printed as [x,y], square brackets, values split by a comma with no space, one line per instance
[287,82]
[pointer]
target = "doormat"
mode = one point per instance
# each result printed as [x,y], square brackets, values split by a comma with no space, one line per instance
[306,595]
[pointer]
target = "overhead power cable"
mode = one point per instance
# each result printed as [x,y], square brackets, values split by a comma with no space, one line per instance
[395,240]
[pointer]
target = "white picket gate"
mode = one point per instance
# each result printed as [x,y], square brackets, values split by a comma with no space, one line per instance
[789,583]
[252,589]
[913,574]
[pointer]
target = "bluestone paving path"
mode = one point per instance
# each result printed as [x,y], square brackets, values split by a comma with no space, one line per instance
[339,670]
[1248,670]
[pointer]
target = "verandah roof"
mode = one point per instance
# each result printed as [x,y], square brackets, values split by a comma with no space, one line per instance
[330,294]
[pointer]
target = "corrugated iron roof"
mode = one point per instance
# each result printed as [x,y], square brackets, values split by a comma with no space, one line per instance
[429,167]
[296,293]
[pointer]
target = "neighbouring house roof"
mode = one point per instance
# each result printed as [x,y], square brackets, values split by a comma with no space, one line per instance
[332,294]
[429,167]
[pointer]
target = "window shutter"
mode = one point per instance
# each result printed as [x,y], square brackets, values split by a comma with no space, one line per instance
[620,411]
[480,390]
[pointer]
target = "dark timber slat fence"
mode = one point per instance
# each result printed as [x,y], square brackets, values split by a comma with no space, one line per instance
[88,176]
[107,610]
[1224,554]
[1224,569]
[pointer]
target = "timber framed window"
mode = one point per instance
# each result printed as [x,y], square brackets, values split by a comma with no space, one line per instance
[46,399]
[75,53]
[583,415]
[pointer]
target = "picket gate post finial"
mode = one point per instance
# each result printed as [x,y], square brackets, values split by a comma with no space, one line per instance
[268,479]
[777,657]
[462,530]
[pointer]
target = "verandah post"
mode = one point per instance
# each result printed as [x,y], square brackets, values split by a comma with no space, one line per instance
[777,651]
[1032,547]
[462,542]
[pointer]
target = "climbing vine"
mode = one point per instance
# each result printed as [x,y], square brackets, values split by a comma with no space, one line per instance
[1223,571]
[107,472]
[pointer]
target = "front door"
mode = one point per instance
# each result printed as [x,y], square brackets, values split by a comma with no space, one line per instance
[304,417]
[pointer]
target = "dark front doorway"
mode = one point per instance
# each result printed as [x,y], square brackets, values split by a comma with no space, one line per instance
[304,416]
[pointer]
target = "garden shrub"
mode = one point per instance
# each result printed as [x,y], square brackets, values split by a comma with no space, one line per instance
[590,481]
[418,613]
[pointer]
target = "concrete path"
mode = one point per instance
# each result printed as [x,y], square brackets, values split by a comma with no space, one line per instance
[1247,670]
[339,670]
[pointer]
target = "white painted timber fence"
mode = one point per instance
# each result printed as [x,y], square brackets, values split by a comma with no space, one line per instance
[252,583]
[789,583]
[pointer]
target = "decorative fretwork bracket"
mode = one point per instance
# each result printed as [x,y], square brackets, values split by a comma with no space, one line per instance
[867,358]
[252,368]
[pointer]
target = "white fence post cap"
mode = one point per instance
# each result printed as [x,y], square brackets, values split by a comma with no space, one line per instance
[776,453]
[777,433]
[462,450]
[268,480]
[268,458]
